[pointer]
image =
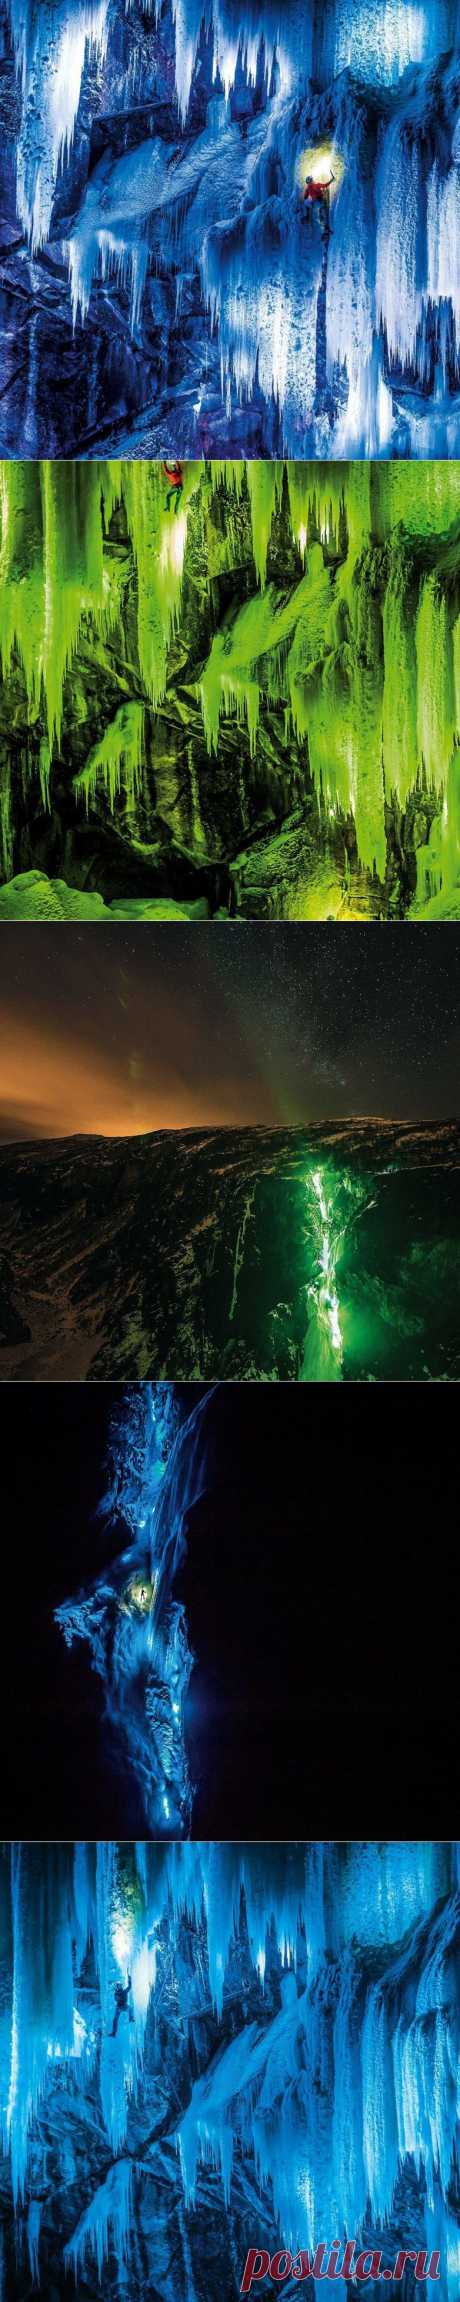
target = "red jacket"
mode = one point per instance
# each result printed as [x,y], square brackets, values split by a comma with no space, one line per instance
[173,473]
[315,191]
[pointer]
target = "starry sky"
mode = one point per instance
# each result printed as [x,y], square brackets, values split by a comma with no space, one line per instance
[115,1031]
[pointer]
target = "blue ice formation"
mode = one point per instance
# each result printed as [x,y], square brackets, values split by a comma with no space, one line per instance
[242,2038]
[134,1626]
[159,166]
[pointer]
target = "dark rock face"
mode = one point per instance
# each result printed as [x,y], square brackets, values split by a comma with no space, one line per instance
[267,1254]
[164,285]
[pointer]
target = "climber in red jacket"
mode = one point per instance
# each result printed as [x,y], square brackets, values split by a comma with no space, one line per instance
[315,189]
[174,475]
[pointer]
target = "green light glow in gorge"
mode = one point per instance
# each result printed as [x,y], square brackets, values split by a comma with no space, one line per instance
[334,1201]
[324,1310]
[345,615]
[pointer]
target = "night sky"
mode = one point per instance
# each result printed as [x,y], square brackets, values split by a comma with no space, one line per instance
[114,1031]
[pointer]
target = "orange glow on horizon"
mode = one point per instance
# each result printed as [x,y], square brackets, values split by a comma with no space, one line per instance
[57,1085]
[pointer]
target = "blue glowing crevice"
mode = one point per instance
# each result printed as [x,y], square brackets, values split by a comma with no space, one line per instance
[131,1621]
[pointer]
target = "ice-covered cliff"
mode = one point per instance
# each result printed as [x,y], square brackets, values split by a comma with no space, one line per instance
[210,2046]
[319,1254]
[154,227]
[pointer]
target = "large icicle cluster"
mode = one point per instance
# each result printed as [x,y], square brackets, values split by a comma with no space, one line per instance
[52,42]
[350,340]
[55,573]
[264,2028]
[360,643]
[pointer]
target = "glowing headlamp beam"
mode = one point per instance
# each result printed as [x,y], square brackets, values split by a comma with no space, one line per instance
[323,164]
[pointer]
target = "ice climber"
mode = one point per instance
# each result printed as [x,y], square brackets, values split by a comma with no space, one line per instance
[316,188]
[174,475]
[122,2006]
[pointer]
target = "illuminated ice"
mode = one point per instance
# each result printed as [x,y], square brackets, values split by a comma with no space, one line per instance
[344,318]
[320,2073]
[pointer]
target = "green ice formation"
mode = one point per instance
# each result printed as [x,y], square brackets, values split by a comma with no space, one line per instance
[32,896]
[165,666]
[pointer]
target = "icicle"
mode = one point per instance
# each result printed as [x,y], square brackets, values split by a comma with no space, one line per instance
[159,539]
[443,232]
[278,30]
[400,685]
[73,571]
[22,580]
[399,209]
[33,2238]
[117,760]
[51,43]
[350,269]
[43,1995]
[435,683]
[106,2221]
[188,16]
[380,2123]
[6,2020]
[264,483]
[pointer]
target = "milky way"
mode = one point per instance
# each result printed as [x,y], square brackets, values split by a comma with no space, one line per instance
[117,1033]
